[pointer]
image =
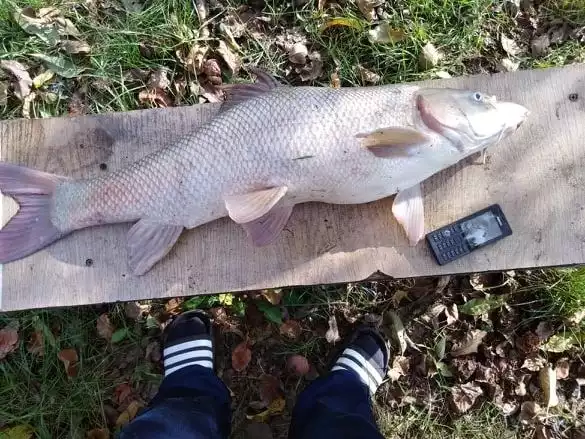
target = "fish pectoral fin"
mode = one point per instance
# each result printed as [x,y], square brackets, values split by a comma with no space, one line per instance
[392,141]
[408,210]
[248,207]
[237,93]
[148,242]
[266,229]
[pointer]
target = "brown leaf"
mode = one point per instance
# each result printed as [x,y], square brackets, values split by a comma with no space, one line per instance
[273,296]
[367,7]
[291,329]
[134,310]
[529,412]
[36,344]
[463,396]
[276,407]
[27,104]
[400,367]
[398,296]
[75,47]
[8,340]
[241,356]
[194,59]
[98,433]
[485,374]
[332,334]
[270,389]
[232,59]
[313,69]
[510,46]
[470,344]
[430,57]
[23,84]
[465,367]
[128,414]
[212,93]
[368,77]
[335,81]
[122,392]
[153,351]
[297,54]
[156,97]
[105,329]
[159,80]
[298,365]
[77,105]
[528,343]
[70,361]
[452,314]
[562,368]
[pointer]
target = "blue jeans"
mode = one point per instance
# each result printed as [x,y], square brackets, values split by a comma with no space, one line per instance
[194,403]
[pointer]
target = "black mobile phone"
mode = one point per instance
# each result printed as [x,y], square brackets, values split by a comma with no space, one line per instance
[468,234]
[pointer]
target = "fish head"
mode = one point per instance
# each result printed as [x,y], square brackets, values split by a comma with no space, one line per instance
[471,120]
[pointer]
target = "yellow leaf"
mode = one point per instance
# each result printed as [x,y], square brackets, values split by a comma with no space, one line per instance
[128,414]
[276,407]
[17,432]
[226,299]
[342,21]
[43,78]
[383,33]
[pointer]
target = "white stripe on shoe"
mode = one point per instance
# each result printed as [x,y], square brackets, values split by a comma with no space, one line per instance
[349,366]
[203,343]
[200,354]
[365,364]
[204,363]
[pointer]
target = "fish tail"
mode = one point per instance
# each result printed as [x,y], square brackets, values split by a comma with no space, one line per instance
[31,228]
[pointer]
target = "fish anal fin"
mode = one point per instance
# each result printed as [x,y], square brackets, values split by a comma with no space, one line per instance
[148,242]
[266,229]
[392,141]
[408,209]
[250,206]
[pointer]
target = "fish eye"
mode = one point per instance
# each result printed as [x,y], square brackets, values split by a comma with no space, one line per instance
[477,96]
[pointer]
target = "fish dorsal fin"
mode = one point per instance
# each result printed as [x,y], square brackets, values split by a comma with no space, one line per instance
[248,207]
[392,141]
[237,93]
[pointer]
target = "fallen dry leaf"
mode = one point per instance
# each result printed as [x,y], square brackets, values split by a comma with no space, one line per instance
[465,367]
[232,59]
[527,343]
[510,46]
[75,47]
[534,363]
[270,389]
[429,57]
[398,331]
[42,78]
[44,27]
[153,351]
[105,329]
[335,81]
[529,412]
[478,307]
[276,407]
[314,69]
[3,101]
[156,97]
[159,79]
[367,7]
[451,314]
[562,368]
[548,384]
[398,296]
[98,433]
[577,317]
[332,334]
[343,22]
[464,396]
[134,310]
[298,365]
[61,66]
[384,34]
[539,45]
[8,340]
[544,330]
[27,104]
[400,367]
[369,77]
[36,344]
[470,344]
[298,53]
[562,342]
[508,65]
[23,83]
[195,58]
[291,329]
[273,296]
[241,356]
[77,105]
[122,392]
[128,414]
[70,361]
[544,432]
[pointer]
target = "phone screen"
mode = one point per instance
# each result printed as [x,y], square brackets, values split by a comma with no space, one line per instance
[481,229]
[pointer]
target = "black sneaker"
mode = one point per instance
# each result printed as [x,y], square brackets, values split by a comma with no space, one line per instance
[366,354]
[188,341]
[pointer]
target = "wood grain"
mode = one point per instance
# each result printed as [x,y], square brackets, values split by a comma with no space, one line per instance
[536,176]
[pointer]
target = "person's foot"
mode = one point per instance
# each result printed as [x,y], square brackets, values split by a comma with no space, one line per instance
[366,354]
[188,341]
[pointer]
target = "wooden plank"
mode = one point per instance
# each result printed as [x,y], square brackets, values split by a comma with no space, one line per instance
[536,176]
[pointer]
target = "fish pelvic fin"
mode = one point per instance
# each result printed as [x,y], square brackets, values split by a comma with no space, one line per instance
[267,228]
[250,206]
[392,141]
[30,229]
[149,242]
[408,209]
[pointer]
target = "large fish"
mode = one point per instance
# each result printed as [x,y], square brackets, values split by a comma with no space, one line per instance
[270,147]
